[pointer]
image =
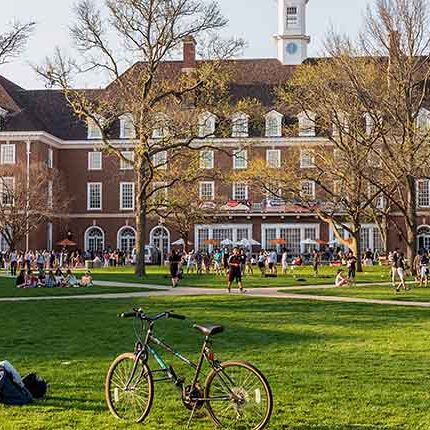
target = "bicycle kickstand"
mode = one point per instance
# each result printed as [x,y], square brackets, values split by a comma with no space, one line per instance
[191,416]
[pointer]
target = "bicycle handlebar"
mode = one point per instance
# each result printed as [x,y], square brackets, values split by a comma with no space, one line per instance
[139,313]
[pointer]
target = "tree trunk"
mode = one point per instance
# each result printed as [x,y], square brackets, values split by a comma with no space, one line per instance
[411,221]
[356,246]
[140,269]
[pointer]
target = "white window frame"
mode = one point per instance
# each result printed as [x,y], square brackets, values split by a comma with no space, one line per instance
[269,162]
[307,124]
[93,130]
[92,158]
[7,149]
[4,179]
[160,160]
[212,185]
[234,191]
[126,127]
[243,158]
[50,194]
[123,165]
[423,120]
[311,195]
[240,125]
[211,227]
[122,185]
[426,182]
[207,124]
[307,159]
[50,160]
[89,186]
[207,163]
[161,126]
[379,201]
[274,117]
[292,19]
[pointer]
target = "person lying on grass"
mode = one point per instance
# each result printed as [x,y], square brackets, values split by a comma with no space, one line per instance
[15,390]
[341,281]
[86,280]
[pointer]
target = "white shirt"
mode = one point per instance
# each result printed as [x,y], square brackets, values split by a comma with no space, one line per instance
[13,372]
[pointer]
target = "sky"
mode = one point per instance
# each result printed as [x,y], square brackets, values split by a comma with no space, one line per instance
[253,20]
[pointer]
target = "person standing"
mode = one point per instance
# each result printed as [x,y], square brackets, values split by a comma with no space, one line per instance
[316,260]
[174,261]
[424,269]
[284,261]
[394,258]
[400,269]
[13,262]
[351,262]
[234,272]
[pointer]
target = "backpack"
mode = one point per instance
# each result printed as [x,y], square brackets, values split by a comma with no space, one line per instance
[10,392]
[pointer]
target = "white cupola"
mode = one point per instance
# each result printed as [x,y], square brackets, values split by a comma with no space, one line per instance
[292,41]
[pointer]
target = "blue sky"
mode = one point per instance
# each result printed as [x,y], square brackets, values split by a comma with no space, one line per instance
[253,20]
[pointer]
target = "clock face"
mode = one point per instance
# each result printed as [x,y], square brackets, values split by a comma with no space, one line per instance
[292,48]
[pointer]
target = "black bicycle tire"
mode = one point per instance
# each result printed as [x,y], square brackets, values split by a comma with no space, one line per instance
[262,378]
[128,356]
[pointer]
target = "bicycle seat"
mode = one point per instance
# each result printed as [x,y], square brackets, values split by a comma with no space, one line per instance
[209,330]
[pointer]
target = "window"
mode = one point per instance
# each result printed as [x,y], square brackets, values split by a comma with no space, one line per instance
[240,159]
[7,188]
[423,120]
[50,160]
[370,123]
[127,239]
[7,153]
[273,191]
[207,124]
[94,239]
[306,124]
[340,124]
[3,114]
[307,159]
[127,160]
[292,17]
[161,129]
[423,193]
[308,189]
[273,158]
[274,124]
[160,192]
[94,160]
[94,196]
[206,159]
[207,190]
[126,126]
[240,191]
[127,195]
[50,195]
[160,160]
[93,129]
[379,200]
[240,125]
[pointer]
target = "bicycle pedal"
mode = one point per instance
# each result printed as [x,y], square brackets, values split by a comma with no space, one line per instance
[179,382]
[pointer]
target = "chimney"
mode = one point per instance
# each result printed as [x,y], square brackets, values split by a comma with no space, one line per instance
[189,53]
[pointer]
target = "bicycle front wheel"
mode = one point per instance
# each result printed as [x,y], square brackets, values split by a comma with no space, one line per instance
[129,398]
[238,396]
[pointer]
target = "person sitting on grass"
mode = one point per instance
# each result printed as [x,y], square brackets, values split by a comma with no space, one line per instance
[87,280]
[70,280]
[20,279]
[41,279]
[50,282]
[18,391]
[30,280]
[341,280]
[59,277]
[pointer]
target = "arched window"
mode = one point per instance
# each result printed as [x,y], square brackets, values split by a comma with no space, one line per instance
[160,235]
[127,130]
[274,124]
[126,239]
[207,124]
[306,124]
[94,239]
[240,125]
[423,233]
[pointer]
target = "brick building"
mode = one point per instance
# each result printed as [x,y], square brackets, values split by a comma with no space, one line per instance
[38,126]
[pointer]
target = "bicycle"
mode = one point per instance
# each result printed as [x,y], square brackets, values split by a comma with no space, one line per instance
[235,393]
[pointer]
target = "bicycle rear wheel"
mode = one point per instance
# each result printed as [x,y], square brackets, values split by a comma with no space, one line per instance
[132,402]
[239,396]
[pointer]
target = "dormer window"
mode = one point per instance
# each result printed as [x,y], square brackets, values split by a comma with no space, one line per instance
[161,129]
[207,124]
[292,16]
[423,120]
[274,124]
[370,123]
[306,124]
[3,114]
[340,124]
[240,125]
[127,129]
[94,131]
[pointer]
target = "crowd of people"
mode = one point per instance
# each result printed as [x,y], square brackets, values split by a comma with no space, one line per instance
[52,279]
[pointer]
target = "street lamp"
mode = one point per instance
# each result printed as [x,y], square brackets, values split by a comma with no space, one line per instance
[161,238]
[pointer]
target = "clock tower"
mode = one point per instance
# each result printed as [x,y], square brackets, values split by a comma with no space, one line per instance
[292,42]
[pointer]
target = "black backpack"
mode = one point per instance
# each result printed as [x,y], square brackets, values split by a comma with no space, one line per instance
[10,392]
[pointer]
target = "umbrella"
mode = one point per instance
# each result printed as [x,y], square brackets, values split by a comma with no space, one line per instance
[321,242]
[179,242]
[309,242]
[66,242]
[254,242]
[278,241]
[227,242]
[210,242]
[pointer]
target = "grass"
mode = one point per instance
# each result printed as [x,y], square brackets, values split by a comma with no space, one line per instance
[298,276]
[331,366]
[8,289]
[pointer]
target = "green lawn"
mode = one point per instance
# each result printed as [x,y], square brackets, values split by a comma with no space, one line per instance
[298,276]
[384,292]
[331,366]
[8,289]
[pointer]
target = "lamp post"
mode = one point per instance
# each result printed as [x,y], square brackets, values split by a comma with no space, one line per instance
[161,226]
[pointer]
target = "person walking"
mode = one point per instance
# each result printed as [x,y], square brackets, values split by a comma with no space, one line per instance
[351,262]
[316,260]
[174,261]
[234,272]
[400,268]
[394,258]
[284,261]
[13,262]
[424,269]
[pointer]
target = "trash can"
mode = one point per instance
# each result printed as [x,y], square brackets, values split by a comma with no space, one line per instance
[89,264]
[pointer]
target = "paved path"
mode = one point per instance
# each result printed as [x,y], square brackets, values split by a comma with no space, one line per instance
[164,291]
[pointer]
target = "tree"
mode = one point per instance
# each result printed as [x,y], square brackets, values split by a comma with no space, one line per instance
[13,40]
[164,105]
[28,199]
